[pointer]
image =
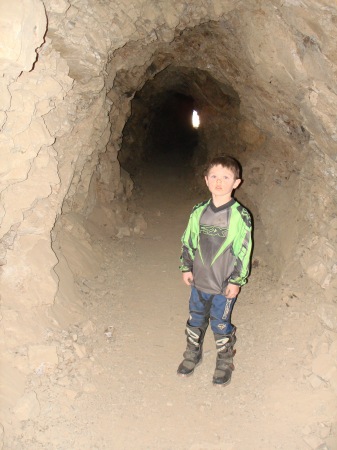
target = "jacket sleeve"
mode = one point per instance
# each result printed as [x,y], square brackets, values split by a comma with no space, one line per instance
[189,242]
[242,250]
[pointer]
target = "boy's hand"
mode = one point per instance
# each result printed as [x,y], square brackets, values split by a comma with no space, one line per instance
[188,278]
[232,290]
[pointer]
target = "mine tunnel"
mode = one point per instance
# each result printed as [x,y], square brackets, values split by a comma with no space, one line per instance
[98,153]
[169,131]
[161,118]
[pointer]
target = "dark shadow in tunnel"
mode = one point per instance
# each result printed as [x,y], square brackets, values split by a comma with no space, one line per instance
[159,129]
[171,131]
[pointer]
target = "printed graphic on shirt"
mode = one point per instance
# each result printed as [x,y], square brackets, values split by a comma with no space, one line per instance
[211,239]
[214,231]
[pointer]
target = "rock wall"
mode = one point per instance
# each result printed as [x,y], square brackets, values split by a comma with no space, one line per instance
[70,70]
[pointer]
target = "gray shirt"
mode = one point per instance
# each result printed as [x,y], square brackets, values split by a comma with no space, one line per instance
[211,270]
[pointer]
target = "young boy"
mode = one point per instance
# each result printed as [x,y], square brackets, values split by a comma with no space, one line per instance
[216,248]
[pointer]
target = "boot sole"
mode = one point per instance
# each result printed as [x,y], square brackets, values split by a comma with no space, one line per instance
[222,384]
[186,375]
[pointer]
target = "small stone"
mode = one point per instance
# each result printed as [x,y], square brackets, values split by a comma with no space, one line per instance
[28,407]
[88,328]
[109,331]
[68,355]
[305,373]
[80,350]
[140,224]
[123,231]
[317,272]
[328,314]
[315,381]
[324,430]
[326,281]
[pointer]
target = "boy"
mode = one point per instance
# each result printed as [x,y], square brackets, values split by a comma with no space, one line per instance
[216,248]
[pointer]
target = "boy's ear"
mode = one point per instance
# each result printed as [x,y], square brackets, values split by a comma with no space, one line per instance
[237,183]
[206,180]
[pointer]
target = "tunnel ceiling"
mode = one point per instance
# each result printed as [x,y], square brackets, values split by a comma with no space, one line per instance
[220,52]
[187,81]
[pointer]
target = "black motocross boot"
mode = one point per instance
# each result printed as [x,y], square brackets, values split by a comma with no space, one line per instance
[224,361]
[193,352]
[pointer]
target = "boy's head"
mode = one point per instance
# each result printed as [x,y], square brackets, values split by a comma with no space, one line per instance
[222,176]
[225,161]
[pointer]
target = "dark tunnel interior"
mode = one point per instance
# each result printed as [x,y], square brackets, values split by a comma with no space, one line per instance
[160,123]
[171,129]
[160,130]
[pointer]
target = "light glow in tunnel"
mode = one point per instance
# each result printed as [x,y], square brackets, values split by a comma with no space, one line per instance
[195,119]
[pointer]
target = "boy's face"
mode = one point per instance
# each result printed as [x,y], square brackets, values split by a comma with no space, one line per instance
[221,182]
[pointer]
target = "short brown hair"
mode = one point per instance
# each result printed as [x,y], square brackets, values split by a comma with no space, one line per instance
[225,161]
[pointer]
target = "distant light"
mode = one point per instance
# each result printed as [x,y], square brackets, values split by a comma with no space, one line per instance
[195,119]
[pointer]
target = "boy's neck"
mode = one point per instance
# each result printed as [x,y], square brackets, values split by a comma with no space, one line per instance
[220,201]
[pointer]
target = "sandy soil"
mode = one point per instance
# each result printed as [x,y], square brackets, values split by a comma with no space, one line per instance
[116,386]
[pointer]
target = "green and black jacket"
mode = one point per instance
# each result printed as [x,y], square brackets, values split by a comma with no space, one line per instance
[216,246]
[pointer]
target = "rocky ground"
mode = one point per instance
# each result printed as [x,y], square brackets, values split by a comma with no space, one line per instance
[109,382]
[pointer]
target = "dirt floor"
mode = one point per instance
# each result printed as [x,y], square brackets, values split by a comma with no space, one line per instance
[116,385]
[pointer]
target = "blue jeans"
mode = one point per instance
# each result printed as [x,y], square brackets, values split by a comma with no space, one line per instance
[216,308]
